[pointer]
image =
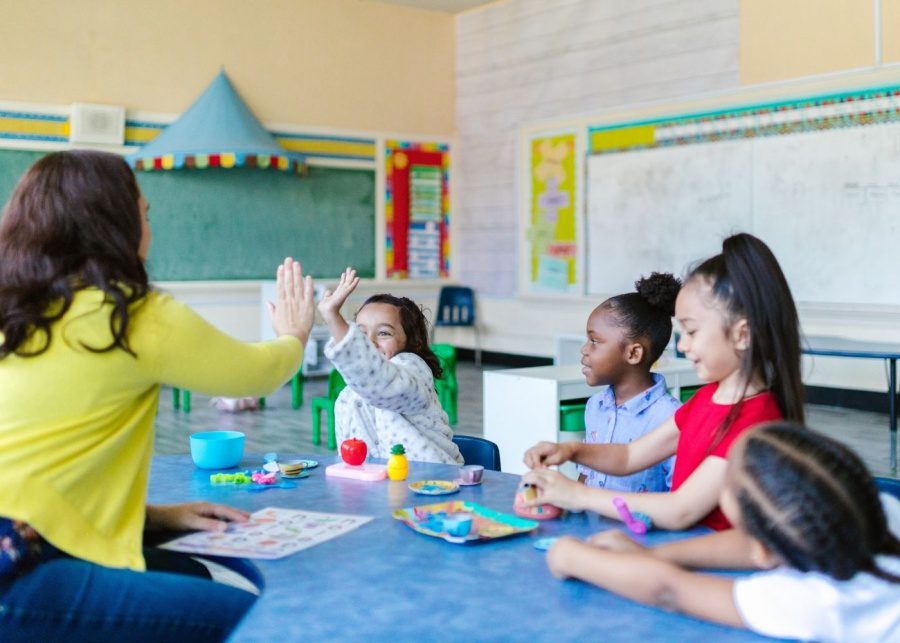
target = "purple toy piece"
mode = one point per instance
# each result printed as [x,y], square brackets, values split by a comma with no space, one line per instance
[634,524]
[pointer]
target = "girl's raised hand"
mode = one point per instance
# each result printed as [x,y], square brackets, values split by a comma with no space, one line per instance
[615,540]
[555,489]
[295,311]
[331,301]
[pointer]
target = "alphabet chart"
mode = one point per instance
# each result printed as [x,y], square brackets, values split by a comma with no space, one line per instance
[269,533]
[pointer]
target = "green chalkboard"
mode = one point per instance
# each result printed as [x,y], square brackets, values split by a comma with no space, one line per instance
[13,164]
[240,223]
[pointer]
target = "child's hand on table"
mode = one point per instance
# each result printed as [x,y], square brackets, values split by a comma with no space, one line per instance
[555,489]
[206,516]
[615,540]
[560,556]
[548,454]
[295,311]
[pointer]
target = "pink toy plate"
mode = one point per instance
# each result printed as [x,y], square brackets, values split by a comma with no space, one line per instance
[369,472]
[487,524]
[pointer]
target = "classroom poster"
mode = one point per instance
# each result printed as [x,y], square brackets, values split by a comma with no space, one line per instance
[417,210]
[552,232]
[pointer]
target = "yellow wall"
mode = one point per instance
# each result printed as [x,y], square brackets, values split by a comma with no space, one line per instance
[890,30]
[322,63]
[793,38]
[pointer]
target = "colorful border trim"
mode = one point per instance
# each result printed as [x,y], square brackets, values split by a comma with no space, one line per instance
[816,113]
[392,147]
[28,126]
[32,126]
[224,160]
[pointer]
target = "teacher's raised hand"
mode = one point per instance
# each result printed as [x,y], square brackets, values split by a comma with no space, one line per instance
[295,309]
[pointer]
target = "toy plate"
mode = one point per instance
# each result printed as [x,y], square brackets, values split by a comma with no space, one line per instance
[487,524]
[302,474]
[309,464]
[434,487]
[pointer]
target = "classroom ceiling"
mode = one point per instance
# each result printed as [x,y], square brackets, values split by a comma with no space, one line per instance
[445,6]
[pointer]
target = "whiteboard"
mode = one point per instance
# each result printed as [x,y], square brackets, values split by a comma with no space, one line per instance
[827,203]
[661,209]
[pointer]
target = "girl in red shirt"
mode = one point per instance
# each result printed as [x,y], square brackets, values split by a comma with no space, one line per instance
[741,330]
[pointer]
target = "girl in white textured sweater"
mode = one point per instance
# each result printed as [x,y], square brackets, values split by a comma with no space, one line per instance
[389,369]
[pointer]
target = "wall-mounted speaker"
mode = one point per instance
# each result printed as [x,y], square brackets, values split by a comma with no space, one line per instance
[97,124]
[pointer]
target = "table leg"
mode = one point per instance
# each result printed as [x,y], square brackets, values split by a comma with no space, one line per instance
[892,409]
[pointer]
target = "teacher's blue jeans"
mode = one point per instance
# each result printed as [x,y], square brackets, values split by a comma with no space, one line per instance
[67,599]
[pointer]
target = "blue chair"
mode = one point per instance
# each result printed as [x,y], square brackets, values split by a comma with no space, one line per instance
[456,307]
[478,451]
[888,485]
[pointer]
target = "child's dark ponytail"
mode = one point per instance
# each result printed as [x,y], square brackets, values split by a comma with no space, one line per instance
[648,312]
[811,501]
[748,281]
[415,326]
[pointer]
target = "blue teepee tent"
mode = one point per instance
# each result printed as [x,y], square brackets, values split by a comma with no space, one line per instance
[218,130]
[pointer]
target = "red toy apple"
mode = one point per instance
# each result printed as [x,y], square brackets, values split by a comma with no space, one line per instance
[353,451]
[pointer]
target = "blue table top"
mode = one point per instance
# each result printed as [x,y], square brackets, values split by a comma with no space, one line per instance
[843,347]
[385,580]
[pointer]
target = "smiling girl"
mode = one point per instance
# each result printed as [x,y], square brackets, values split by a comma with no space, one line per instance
[390,370]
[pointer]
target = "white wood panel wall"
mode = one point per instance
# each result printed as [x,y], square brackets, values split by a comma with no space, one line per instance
[525,60]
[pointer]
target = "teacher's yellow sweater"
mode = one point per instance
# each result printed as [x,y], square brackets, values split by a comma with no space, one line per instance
[76,427]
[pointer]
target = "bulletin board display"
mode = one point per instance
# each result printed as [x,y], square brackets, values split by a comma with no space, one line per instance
[554,225]
[417,210]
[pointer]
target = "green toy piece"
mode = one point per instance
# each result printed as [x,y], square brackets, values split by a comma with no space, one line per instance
[398,449]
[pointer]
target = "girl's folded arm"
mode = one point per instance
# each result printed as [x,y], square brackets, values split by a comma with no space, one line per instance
[647,580]
[729,549]
[674,510]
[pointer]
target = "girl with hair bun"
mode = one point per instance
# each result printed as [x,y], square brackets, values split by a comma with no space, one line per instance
[626,335]
[741,331]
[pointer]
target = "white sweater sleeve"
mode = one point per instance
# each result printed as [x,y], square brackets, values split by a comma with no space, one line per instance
[403,385]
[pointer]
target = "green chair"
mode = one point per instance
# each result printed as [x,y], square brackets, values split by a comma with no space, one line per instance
[571,416]
[687,392]
[181,398]
[335,385]
[447,387]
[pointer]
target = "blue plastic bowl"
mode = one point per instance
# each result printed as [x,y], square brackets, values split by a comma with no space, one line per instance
[217,449]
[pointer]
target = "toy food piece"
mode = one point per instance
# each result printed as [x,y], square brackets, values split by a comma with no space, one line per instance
[397,464]
[527,492]
[458,524]
[353,451]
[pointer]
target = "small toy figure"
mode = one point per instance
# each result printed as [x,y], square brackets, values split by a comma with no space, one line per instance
[637,523]
[397,464]
[526,493]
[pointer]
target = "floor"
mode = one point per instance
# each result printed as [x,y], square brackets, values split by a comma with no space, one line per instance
[280,428]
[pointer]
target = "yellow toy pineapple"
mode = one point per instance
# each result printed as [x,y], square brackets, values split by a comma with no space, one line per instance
[397,464]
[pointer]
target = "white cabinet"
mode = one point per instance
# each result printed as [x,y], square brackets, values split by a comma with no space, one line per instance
[521,406]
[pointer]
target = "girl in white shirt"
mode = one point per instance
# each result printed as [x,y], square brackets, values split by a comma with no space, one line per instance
[806,510]
[390,370]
